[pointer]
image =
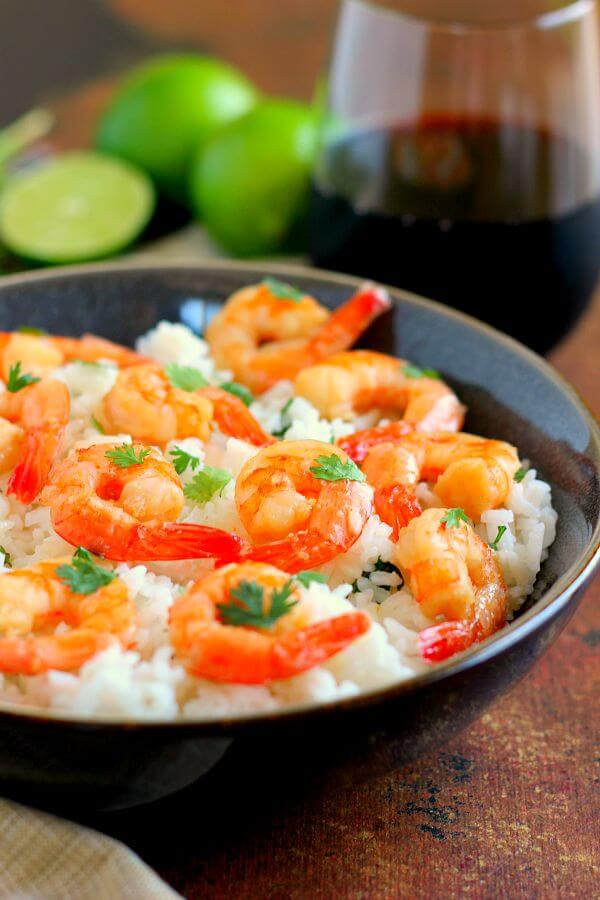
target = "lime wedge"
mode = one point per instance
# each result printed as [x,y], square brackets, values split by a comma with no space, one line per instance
[77,207]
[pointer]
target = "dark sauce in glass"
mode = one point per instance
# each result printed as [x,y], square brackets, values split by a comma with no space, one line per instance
[495,219]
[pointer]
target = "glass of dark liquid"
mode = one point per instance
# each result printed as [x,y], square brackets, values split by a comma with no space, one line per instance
[461,160]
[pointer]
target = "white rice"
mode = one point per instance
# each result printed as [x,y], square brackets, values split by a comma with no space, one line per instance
[148,682]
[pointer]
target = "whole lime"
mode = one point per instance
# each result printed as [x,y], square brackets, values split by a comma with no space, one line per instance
[165,108]
[250,182]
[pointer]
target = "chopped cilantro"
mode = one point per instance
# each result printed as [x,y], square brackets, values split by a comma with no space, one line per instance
[7,557]
[247,605]
[332,468]
[17,380]
[206,484]
[499,533]
[519,475]
[238,390]
[83,576]
[283,415]
[187,378]
[182,459]
[31,329]
[454,517]
[305,578]
[412,371]
[282,290]
[97,425]
[125,456]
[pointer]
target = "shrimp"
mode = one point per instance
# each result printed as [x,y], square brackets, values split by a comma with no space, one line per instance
[469,471]
[451,573]
[39,414]
[244,655]
[297,519]
[264,339]
[40,355]
[144,404]
[35,600]
[346,384]
[128,513]
[389,468]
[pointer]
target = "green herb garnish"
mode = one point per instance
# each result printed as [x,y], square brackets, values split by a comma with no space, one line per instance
[7,557]
[500,532]
[187,378]
[238,390]
[97,425]
[332,468]
[125,456]
[248,605]
[282,414]
[83,576]
[454,517]
[519,475]
[381,566]
[282,290]
[17,380]
[412,371]
[305,578]
[206,484]
[31,329]
[183,460]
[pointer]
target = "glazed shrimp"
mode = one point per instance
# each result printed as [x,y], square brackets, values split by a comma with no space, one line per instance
[243,655]
[298,519]
[35,420]
[35,600]
[41,354]
[128,513]
[469,471]
[263,338]
[144,404]
[349,383]
[451,573]
[393,471]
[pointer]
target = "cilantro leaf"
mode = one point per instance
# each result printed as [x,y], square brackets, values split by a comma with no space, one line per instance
[182,459]
[125,456]
[500,532]
[454,516]
[283,415]
[17,380]
[306,577]
[412,371]
[381,566]
[238,390]
[247,606]
[7,557]
[83,576]
[282,290]
[519,475]
[187,378]
[97,425]
[206,484]
[331,468]
[31,329]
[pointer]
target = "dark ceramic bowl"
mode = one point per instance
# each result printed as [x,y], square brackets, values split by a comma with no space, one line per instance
[511,394]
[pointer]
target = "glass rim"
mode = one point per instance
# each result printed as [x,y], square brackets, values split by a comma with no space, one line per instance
[545,21]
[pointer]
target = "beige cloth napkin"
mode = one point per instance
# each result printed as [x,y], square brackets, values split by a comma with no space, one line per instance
[46,858]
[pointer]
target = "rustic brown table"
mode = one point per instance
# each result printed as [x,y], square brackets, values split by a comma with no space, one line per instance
[510,807]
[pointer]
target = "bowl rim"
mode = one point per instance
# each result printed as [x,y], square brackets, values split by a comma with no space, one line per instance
[546,607]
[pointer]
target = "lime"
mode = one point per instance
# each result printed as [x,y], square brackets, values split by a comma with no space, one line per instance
[165,108]
[76,207]
[250,183]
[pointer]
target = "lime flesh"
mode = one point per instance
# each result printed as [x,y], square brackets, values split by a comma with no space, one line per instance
[77,207]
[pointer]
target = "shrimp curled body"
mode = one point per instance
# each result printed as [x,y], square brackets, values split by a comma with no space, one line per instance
[296,519]
[264,338]
[451,573]
[128,513]
[347,384]
[34,601]
[238,654]
[40,355]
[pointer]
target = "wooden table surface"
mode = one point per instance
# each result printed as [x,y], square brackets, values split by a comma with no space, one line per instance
[509,808]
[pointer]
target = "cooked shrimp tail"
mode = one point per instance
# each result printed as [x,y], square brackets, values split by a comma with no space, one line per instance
[63,652]
[91,348]
[442,641]
[29,476]
[234,418]
[358,444]
[396,505]
[173,541]
[347,323]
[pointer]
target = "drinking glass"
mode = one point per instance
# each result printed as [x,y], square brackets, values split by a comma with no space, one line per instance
[461,160]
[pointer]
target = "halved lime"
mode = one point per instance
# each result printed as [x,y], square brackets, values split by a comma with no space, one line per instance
[77,207]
